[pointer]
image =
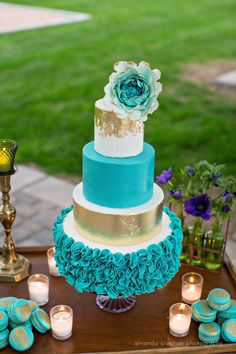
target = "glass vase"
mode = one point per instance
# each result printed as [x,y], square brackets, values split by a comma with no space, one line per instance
[186,240]
[214,240]
[196,239]
[180,213]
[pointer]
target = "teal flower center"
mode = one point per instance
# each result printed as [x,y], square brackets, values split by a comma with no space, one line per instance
[132,91]
[132,87]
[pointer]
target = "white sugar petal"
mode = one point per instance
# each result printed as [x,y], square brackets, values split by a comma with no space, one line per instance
[135,115]
[107,90]
[154,106]
[156,74]
[120,66]
[158,88]
[144,118]
[145,65]
[120,112]
[112,77]
[107,103]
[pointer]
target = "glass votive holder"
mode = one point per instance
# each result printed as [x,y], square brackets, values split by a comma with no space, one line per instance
[61,317]
[191,287]
[8,150]
[38,285]
[179,319]
[53,270]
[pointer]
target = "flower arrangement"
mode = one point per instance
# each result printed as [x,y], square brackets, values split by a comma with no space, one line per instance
[132,90]
[204,192]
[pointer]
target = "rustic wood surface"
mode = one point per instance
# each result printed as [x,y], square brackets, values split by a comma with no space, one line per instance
[144,329]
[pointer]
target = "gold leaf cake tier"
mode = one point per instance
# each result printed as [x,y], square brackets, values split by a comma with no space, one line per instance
[115,137]
[116,226]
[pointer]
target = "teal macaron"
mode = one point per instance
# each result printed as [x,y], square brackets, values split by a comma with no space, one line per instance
[219,299]
[33,305]
[228,331]
[220,319]
[19,311]
[21,338]
[201,312]
[3,320]
[40,320]
[230,312]
[5,302]
[4,335]
[209,333]
[223,337]
[27,324]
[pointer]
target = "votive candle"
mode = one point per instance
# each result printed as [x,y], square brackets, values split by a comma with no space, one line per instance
[179,319]
[7,155]
[38,285]
[53,270]
[4,163]
[191,287]
[61,317]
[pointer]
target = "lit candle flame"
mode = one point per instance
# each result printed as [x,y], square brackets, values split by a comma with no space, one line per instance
[191,279]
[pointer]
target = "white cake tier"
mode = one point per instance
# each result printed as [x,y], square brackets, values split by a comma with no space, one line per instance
[117,226]
[115,137]
[70,229]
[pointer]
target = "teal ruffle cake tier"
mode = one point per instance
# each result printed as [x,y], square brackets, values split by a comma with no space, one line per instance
[113,274]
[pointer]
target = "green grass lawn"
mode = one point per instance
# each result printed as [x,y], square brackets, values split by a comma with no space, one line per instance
[51,77]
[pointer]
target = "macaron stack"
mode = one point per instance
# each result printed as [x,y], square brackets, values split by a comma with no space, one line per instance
[18,317]
[205,311]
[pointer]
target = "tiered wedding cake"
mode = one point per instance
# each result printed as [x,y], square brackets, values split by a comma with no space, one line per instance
[117,240]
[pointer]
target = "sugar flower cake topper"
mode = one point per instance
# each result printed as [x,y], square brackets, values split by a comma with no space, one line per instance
[132,90]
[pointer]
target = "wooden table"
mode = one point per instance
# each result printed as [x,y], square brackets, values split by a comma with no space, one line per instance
[144,329]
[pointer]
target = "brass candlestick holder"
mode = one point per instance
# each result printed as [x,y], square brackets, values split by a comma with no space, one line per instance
[13,267]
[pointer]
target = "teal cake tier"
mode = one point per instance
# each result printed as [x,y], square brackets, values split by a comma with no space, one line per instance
[118,182]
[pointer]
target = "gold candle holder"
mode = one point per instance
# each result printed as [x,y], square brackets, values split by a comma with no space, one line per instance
[13,267]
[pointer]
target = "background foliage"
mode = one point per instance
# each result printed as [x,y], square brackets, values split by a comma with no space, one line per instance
[51,77]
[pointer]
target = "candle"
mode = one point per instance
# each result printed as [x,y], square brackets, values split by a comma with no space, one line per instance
[179,324]
[179,320]
[7,155]
[38,285]
[5,163]
[191,287]
[53,270]
[61,317]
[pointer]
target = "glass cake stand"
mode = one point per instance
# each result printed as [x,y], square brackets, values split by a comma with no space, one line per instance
[118,305]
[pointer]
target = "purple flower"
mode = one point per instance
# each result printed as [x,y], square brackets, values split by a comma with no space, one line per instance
[164,177]
[226,195]
[176,195]
[216,175]
[199,206]
[190,170]
[225,208]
